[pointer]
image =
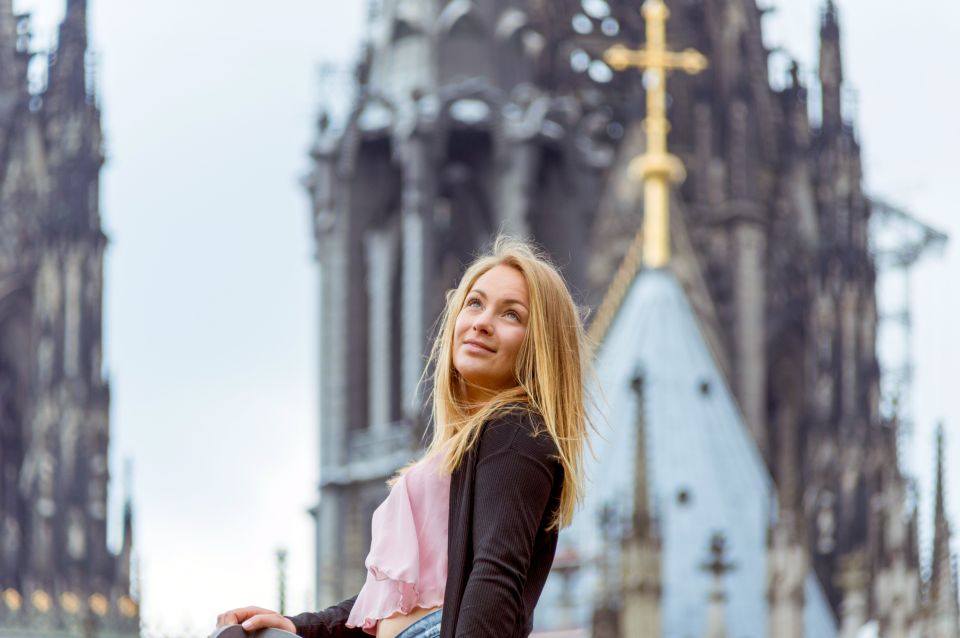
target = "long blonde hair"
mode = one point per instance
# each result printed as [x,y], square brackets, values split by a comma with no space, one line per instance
[550,370]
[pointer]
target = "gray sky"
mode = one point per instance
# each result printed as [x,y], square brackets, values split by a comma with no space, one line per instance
[210,285]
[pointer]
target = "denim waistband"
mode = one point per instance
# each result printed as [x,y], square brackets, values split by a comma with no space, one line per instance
[426,627]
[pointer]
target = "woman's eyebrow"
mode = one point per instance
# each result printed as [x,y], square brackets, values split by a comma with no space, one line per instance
[505,301]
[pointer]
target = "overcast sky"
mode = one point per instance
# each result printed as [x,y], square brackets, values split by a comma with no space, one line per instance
[211,317]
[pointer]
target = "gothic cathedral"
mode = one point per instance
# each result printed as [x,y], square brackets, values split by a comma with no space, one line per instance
[57,576]
[475,117]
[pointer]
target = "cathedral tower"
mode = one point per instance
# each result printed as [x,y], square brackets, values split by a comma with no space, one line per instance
[451,138]
[57,576]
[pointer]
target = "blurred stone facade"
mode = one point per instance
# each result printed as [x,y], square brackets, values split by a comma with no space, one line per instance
[471,117]
[57,576]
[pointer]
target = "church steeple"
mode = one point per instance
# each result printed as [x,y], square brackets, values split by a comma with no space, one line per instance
[831,68]
[68,69]
[642,554]
[8,44]
[943,612]
[74,130]
[14,56]
[126,548]
[642,519]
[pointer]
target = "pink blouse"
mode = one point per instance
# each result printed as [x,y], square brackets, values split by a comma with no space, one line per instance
[407,563]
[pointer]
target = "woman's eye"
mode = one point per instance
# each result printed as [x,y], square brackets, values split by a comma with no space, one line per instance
[513,315]
[473,302]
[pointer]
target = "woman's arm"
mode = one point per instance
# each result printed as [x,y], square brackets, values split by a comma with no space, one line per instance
[514,478]
[329,623]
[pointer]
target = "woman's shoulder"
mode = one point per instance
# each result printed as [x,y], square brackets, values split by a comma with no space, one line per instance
[518,426]
[517,415]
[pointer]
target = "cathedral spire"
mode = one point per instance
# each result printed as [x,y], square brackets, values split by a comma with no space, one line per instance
[68,70]
[939,511]
[642,555]
[127,507]
[126,550]
[642,519]
[9,76]
[831,68]
[75,137]
[942,596]
[125,558]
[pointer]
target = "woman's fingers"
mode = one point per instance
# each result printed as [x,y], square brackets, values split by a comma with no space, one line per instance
[227,618]
[254,618]
[269,619]
[237,616]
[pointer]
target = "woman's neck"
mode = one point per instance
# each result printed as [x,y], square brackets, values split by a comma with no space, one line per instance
[474,397]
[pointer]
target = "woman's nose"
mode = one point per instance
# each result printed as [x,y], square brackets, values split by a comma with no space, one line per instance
[483,323]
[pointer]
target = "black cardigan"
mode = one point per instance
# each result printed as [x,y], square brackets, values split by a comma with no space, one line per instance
[502,499]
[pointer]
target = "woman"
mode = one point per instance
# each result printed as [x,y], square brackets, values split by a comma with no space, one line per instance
[463,544]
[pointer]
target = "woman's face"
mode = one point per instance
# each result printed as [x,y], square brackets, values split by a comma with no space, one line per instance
[490,329]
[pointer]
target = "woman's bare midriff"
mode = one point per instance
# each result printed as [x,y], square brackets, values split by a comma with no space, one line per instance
[390,627]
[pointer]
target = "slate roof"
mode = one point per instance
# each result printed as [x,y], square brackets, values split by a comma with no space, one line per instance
[705,474]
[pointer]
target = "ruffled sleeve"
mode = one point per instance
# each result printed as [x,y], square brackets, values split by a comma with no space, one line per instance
[407,563]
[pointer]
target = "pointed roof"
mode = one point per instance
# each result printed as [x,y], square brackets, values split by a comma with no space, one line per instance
[68,69]
[939,509]
[942,598]
[829,24]
[705,474]
[127,504]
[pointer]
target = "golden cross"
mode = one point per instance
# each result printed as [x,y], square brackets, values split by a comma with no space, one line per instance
[656,167]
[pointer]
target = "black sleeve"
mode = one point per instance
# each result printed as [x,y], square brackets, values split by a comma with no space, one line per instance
[514,476]
[329,623]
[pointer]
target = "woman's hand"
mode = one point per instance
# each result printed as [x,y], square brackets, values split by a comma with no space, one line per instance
[253,618]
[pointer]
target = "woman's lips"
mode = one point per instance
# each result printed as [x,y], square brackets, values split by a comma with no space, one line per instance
[476,346]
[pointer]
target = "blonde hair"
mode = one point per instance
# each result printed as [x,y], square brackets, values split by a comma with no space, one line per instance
[550,370]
